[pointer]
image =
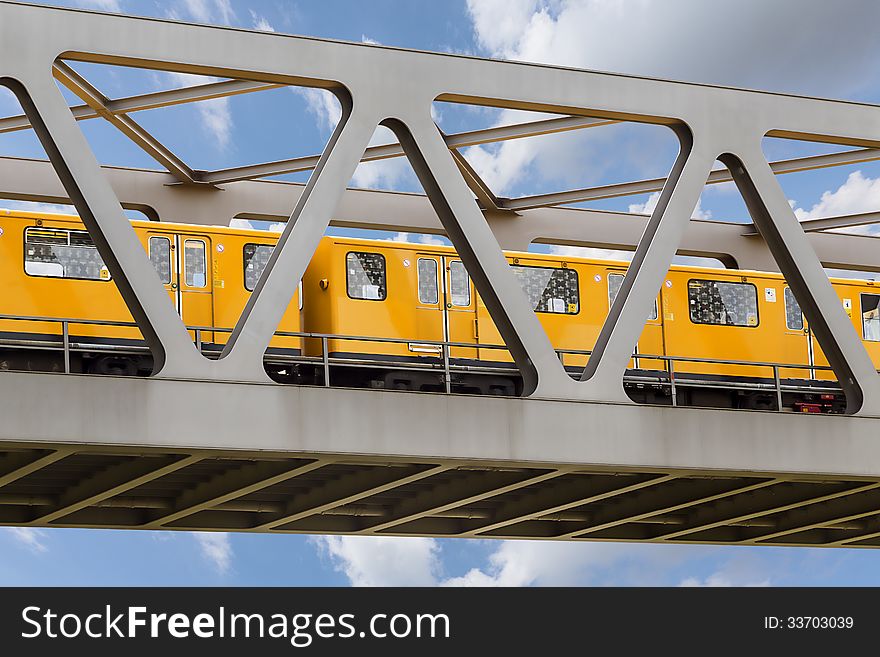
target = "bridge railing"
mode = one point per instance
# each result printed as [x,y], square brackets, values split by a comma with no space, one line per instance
[669,377]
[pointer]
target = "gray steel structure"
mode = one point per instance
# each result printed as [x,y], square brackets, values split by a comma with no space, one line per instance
[213,444]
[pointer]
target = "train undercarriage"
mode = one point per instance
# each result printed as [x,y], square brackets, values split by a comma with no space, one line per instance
[429,374]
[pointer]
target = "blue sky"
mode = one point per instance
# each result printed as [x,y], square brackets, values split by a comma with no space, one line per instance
[827,49]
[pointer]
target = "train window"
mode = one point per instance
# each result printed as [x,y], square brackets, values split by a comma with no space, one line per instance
[871,317]
[550,290]
[61,253]
[429,291]
[794,316]
[459,284]
[160,256]
[614,283]
[723,303]
[195,263]
[365,276]
[256,257]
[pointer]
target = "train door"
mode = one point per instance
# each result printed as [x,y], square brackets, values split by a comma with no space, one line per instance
[869,318]
[651,339]
[430,311]
[446,308]
[797,346]
[182,264]
[849,299]
[460,308]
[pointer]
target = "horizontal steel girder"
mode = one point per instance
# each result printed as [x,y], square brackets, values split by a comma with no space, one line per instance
[151,193]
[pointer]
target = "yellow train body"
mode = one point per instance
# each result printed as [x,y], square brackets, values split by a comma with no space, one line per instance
[417,294]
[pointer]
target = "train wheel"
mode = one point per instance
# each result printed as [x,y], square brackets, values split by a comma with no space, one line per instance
[114,366]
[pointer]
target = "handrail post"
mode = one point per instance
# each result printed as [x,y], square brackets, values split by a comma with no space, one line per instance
[199,339]
[65,339]
[778,384]
[670,369]
[447,376]
[325,356]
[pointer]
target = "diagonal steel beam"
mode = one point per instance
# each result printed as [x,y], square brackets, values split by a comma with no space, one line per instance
[650,504]
[485,197]
[459,492]
[154,100]
[733,511]
[345,490]
[565,496]
[231,485]
[871,529]
[20,464]
[804,519]
[124,123]
[111,482]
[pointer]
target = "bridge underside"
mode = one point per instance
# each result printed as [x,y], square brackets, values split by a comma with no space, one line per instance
[251,457]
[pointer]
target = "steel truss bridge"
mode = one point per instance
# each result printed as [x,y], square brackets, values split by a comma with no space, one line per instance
[213,444]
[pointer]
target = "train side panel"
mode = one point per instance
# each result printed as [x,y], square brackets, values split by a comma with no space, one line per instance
[238,262]
[50,268]
[715,315]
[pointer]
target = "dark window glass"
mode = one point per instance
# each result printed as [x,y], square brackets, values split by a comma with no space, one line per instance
[549,290]
[429,291]
[460,284]
[794,317]
[195,263]
[723,303]
[61,253]
[160,256]
[871,317]
[614,283]
[256,257]
[365,276]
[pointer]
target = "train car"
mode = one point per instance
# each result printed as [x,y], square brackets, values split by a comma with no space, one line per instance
[51,268]
[376,314]
[705,318]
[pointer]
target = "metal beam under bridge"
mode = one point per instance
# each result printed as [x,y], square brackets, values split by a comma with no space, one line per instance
[214,445]
[86,451]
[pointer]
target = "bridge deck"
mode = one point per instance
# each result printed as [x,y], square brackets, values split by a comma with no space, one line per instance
[139,453]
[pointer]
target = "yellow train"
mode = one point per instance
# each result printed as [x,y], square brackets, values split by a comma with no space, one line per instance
[357,292]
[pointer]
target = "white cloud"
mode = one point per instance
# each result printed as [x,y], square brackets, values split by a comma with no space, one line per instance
[323,105]
[392,173]
[721,579]
[29,537]
[260,22]
[366,39]
[383,560]
[419,238]
[398,561]
[725,43]
[651,203]
[101,5]
[216,549]
[680,39]
[33,206]
[856,195]
[209,11]
[216,114]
